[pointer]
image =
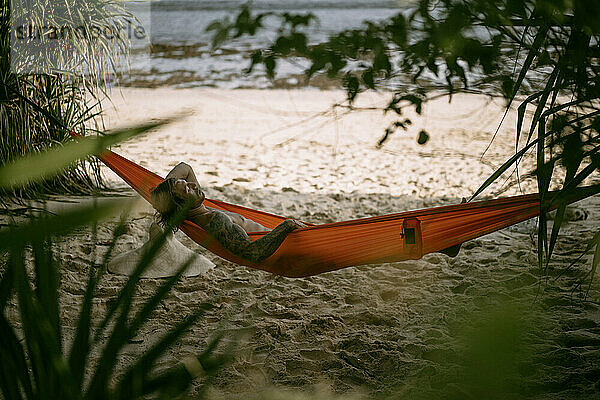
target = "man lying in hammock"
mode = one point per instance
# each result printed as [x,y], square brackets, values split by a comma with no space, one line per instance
[228,228]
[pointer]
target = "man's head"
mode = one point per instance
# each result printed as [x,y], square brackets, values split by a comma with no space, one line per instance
[183,191]
[171,194]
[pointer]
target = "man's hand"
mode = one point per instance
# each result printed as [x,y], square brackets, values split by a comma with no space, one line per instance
[183,171]
[298,223]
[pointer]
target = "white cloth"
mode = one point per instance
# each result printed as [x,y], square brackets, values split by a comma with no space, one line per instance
[167,261]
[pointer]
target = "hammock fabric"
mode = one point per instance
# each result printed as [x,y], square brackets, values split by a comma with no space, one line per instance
[328,247]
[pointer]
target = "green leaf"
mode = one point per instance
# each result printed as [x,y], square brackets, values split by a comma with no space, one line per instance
[13,367]
[548,89]
[423,137]
[299,42]
[270,65]
[558,220]
[80,349]
[381,61]
[507,86]
[572,154]
[125,295]
[521,115]
[45,227]
[219,38]
[367,77]
[352,87]
[120,333]
[6,287]
[255,59]
[31,321]
[47,281]
[596,260]
[146,311]
[135,381]
[282,46]
[397,29]
[296,20]
[46,164]
[496,174]
[214,26]
[526,67]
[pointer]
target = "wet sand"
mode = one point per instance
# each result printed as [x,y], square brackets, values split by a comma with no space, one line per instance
[391,328]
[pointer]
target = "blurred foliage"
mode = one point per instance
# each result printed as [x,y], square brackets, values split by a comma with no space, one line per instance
[37,361]
[487,355]
[542,54]
[48,163]
[42,366]
[68,90]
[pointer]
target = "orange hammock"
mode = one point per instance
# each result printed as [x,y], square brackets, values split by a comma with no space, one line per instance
[328,247]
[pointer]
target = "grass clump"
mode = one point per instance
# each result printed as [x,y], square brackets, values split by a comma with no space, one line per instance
[43,99]
[36,359]
[42,365]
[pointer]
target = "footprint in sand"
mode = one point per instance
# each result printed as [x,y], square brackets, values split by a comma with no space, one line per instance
[571,214]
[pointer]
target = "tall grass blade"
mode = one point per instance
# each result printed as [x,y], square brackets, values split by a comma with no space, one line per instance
[503,168]
[572,186]
[30,320]
[544,173]
[570,195]
[80,349]
[45,164]
[8,382]
[46,286]
[545,93]
[143,315]
[144,262]
[136,377]
[210,365]
[540,37]
[6,286]
[595,261]
[521,116]
[542,239]
[120,333]
[57,225]
[56,372]
[14,372]
[558,220]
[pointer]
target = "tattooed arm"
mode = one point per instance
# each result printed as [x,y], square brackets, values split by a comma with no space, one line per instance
[234,239]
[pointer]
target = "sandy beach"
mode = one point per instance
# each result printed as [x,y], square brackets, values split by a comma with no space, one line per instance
[391,328]
[272,139]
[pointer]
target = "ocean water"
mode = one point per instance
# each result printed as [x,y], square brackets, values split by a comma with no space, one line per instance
[180,54]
